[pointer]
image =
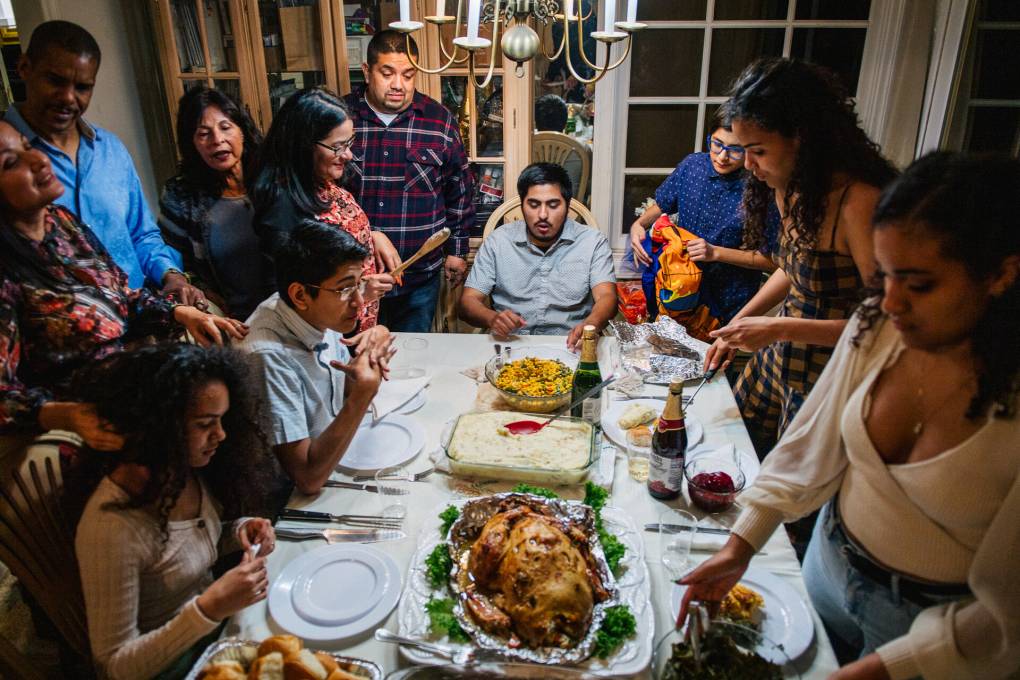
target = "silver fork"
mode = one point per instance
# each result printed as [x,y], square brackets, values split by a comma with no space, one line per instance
[417,477]
[458,656]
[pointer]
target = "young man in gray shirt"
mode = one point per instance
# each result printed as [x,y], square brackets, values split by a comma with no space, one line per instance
[316,394]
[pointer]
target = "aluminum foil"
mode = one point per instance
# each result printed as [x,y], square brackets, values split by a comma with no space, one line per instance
[660,352]
[244,652]
[473,516]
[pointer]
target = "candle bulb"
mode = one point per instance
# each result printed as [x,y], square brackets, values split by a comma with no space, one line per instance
[474,10]
[568,8]
[610,14]
[440,8]
[405,11]
[631,11]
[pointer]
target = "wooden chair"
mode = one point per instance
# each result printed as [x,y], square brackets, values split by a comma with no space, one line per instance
[573,155]
[511,211]
[37,538]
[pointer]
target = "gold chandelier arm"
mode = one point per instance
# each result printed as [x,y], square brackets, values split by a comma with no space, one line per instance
[563,41]
[580,47]
[600,73]
[439,32]
[493,48]
[432,71]
[591,9]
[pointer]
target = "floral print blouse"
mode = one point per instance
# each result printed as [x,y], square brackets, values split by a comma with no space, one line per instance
[345,213]
[48,331]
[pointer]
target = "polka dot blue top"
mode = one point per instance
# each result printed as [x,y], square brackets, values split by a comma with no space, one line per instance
[708,204]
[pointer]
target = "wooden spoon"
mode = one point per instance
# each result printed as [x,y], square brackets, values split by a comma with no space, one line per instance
[437,239]
[531,427]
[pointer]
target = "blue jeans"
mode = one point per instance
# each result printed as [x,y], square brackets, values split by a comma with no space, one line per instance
[413,309]
[859,614]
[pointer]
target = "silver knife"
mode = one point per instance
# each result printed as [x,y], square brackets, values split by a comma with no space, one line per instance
[340,484]
[654,526]
[342,535]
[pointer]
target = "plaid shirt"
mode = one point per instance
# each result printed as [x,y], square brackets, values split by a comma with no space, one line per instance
[412,179]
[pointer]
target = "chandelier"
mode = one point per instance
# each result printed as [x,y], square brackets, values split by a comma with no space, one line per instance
[520,42]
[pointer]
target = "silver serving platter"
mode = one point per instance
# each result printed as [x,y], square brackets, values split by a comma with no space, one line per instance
[473,516]
[244,651]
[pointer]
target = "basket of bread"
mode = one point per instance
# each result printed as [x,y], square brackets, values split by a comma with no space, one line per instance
[280,657]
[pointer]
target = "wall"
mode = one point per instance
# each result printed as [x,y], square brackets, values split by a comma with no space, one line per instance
[116,104]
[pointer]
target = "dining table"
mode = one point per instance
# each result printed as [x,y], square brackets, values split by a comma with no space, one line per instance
[452,389]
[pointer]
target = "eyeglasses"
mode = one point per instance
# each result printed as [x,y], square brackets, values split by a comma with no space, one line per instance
[339,148]
[345,294]
[736,152]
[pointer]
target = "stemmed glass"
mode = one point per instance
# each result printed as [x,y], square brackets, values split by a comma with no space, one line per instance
[676,535]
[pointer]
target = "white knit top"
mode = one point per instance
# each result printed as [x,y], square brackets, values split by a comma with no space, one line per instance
[139,593]
[954,518]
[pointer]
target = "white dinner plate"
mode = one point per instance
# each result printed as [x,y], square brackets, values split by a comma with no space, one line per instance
[695,431]
[335,592]
[394,440]
[412,404]
[749,463]
[786,617]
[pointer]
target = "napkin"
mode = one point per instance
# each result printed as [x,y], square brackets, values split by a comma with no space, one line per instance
[708,542]
[393,394]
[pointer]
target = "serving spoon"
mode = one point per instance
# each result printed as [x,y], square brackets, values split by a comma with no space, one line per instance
[531,427]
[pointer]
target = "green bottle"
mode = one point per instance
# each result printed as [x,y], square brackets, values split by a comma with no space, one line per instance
[586,377]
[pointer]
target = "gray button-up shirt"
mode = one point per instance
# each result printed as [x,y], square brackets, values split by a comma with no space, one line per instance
[551,289]
[292,357]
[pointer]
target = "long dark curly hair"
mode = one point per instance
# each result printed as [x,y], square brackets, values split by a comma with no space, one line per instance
[145,395]
[806,102]
[967,203]
[195,171]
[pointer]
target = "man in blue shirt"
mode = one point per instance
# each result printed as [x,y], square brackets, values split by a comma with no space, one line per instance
[59,69]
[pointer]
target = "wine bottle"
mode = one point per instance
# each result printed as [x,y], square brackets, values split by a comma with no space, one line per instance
[586,377]
[669,447]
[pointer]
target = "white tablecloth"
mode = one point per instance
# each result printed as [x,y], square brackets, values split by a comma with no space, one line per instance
[451,393]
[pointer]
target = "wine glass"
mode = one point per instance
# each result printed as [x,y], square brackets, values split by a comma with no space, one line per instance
[676,535]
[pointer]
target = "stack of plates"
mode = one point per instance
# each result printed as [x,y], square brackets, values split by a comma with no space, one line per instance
[335,592]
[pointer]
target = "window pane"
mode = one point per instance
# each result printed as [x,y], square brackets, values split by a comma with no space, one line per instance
[735,48]
[189,40]
[490,118]
[841,49]
[750,9]
[666,62]
[659,136]
[996,63]
[231,87]
[292,43]
[489,193]
[218,28]
[671,10]
[833,9]
[636,189]
[999,10]
[993,129]
[192,83]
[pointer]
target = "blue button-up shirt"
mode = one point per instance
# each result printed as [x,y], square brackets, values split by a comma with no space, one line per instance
[102,188]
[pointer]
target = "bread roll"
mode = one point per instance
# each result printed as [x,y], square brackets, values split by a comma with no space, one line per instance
[327,661]
[636,414]
[639,436]
[267,667]
[340,674]
[303,666]
[284,644]
[223,670]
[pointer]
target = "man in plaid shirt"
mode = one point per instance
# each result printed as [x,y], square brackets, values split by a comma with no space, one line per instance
[411,177]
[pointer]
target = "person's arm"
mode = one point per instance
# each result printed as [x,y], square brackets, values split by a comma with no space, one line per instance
[309,461]
[602,311]
[979,639]
[638,231]
[20,405]
[473,310]
[112,554]
[703,251]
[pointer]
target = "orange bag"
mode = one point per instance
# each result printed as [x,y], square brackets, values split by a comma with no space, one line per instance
[632,301]
[678,280]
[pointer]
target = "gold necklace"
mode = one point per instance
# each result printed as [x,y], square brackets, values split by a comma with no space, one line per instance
[927,413]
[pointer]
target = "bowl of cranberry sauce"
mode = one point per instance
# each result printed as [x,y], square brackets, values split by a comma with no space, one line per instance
[713,482]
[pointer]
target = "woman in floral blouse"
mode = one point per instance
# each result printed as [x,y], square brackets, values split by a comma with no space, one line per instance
[64,303]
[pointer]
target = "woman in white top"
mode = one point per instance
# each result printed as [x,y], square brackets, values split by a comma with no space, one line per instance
[910,440]
[151,531]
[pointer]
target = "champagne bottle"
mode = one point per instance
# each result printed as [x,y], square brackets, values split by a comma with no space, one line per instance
[586,377]
[669,447]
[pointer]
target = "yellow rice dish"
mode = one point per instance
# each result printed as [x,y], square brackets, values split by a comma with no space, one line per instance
[741,605]
[533,377]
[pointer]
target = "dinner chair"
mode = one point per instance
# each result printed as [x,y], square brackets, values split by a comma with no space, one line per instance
[511,211]
[37,538]
[564,150]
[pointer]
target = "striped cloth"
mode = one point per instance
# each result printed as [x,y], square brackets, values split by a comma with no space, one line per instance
[412,178]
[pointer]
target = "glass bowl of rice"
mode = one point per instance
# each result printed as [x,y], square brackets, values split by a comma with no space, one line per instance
[534,379]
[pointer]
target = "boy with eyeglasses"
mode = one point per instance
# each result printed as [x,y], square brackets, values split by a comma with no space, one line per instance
[315,392]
